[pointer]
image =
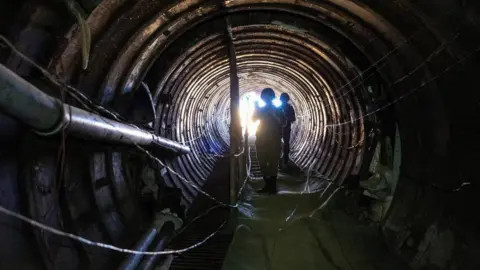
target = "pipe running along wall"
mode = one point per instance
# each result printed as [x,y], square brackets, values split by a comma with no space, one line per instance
[352,69]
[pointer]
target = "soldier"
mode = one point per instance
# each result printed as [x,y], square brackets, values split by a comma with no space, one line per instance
[290,118]
[268,139]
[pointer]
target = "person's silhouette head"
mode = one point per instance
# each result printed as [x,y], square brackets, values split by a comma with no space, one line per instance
[284,98]
[267,95]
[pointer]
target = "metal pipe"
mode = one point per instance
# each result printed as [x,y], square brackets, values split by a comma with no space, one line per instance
[47,115]
[165,234]
[24,101]
[235,129]
[245,142]
[92,126]
[163,227]
[142,245]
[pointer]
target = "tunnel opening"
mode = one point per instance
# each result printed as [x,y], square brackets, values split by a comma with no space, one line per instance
[363,76]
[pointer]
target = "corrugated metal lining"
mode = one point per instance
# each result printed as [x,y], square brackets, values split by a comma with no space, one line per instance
[177,47]
[309,64]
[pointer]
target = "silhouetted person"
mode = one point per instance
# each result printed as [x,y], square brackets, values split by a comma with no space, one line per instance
[269,140]
[290,118]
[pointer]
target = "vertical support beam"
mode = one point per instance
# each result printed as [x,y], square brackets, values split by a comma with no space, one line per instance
[235,126]
[245,142]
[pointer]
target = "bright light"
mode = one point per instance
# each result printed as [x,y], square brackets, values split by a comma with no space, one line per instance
[247,107]
[277,102]
[260,102]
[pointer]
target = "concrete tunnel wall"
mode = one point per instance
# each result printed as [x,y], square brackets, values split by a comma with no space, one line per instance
[315,50]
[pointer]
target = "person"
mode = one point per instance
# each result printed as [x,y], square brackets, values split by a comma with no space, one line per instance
[290,118]
[268,139]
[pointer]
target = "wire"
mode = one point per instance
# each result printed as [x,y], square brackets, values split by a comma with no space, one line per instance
[206,212]
[229,155]
[183,178]
[123,250]
[82,99]
[454,37]
[102,109]
[410,92]
[209,210]
[387,55]
[103,245]
[248,175]
[439,49]
[117,117]
[76,94]
[385,106]
[460,187]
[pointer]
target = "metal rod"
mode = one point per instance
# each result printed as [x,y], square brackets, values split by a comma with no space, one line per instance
[24,101]
[245,142]
[235,129]
[165,234]
[47,115]
[132,261]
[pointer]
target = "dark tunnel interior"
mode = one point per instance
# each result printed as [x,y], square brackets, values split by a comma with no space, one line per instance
[360,73]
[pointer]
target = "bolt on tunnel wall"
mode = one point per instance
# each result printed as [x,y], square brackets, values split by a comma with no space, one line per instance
[355,70]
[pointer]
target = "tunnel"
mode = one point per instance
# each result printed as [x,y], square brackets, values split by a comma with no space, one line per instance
[362,75]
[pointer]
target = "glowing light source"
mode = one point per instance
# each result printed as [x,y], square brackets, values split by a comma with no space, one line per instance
[277,102]
[247,107]
[260,102]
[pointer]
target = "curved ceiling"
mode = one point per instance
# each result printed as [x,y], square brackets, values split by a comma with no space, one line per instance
[352,68]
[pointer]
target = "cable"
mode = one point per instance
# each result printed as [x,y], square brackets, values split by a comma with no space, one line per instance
[248,175]
[57,82]
[183,178]
[455,36]
[206,212]
[439,49]
[103,245]
[117,117]
[387,55]
[77,95]
[460,187]
[408,93]
[123,250]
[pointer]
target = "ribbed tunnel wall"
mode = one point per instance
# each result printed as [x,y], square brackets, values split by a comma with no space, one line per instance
[351,67]
[199,85]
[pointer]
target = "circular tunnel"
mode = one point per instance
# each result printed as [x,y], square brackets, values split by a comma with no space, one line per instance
[355,71]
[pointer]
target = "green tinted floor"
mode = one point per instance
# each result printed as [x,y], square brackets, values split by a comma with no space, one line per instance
[277,233]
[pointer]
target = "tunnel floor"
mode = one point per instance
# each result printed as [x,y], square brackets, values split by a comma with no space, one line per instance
[204,217]
[276,232]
